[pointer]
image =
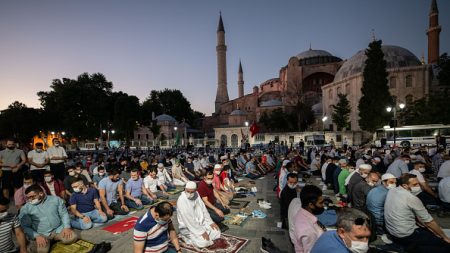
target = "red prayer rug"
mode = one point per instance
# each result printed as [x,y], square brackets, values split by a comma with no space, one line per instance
[225,244]
[121,226]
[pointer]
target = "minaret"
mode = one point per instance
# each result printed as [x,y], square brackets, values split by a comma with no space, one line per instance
[221,49]
[240,81]
[433,34]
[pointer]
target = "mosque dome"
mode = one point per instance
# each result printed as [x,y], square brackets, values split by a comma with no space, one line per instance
[395,56]
[315,56]
[165,118]
[238,112]
[271,103]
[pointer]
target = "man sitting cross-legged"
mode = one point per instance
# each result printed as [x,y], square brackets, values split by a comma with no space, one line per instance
[136,196]
[108,189]
[85,205]
[194,222]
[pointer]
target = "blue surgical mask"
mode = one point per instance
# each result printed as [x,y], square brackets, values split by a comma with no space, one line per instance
[161,222]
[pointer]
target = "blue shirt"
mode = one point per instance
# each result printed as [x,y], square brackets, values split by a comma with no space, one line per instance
[156,236]
[97,178]
[134,187]
[375,202]
[329,242]
[44,218]
[250,167]
[84,201]
[110,188]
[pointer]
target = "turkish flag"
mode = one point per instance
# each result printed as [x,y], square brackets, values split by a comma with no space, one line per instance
[254,129]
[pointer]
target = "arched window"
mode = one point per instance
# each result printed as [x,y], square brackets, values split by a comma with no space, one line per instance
[223,140]
[330,94]
[347,89]
[139,136]
[393,82]
[338,91]
[409,99]
[234,140]
[408,81]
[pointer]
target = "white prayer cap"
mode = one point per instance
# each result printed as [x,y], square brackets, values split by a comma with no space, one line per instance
[387,176]
[377,159]
[224,157]
[160,165]
[365,167]
[342,161]
[217,166]
[191,185]
[231,155]
[285,162]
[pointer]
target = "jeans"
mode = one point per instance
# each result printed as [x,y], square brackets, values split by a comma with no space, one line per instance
[216,218]
[95,217]
[423,241]
[144,199]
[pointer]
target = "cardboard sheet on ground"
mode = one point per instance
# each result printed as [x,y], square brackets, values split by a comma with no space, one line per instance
[121,226]
[80,246]
[238,204]
[235,219]
[225,244]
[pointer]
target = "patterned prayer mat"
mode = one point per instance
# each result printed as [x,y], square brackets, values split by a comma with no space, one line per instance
[238,204]
[235,219]
[121,226]
[225,244]
[80,246]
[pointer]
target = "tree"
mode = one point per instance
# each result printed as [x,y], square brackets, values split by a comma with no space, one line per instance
[444,70]
[126,113]
[434,109]
[341,112]
[297,120]
[20,122]
[375,91]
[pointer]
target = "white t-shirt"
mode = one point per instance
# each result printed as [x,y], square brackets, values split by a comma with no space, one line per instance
[151,183]
[56,152]
[38,157]
[419,175]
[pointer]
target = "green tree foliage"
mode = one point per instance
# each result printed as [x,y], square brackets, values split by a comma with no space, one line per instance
[375,90]
[444,70]
[278,121]
[20,122]
[432,110]
[170,102]
[341,112]
[126,114]
[80,107]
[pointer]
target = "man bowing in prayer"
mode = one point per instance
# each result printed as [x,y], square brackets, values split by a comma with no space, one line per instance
[195,224]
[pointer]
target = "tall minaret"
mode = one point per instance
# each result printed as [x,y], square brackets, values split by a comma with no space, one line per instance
[240,81]
[433,34]
[221,49]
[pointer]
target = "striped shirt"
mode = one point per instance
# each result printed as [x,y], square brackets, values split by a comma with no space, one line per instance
[156,236]
[7,224]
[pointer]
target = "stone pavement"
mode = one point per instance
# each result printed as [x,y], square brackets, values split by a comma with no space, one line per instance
[253,229]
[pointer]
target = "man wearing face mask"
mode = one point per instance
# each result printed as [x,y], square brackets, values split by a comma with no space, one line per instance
[426,195]
[361,190]
[108,189]
[38,160]
[217,210]
[11,161]
[307,228]
[85,206]
[194,222]
[9,224]
[58,156]
[402,211]
[154,229]
[53,186]
[20,198]
[101,173]
[399,166]
[289,192]
[74,173]
[136,193]
[45,218]
[355,177]
[352,234]
[376,198]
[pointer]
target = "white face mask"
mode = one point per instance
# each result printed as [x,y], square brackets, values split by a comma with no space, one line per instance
[416,190]
[217,172]
[35,201]
[191,196]
[422,170]
[48,179]
[77,189]
[292,186]
[72,173]
[364,175]
[359,247]
[208,182]
[3,215]
[371,183]
[406,161]
[391,186]
[101,174]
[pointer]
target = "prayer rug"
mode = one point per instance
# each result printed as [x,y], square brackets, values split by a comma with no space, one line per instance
[235,219]
[225,244]
[80,246]
[238,204]
[121,226]
[175,191]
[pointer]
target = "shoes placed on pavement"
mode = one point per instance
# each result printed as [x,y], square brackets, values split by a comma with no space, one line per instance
[267,246]
[259,214]
[222,227]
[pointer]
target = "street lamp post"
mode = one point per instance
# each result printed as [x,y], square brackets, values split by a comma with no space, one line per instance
[107,132]
[324,118]
[247,141]
[175,136]
[394,110]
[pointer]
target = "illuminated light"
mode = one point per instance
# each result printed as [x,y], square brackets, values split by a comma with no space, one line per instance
[388,109]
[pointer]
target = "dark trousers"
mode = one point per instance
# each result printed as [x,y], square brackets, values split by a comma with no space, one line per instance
[216,218]
[58,170]
[38,175]
[423,241]
[252,176]
[427,199]
[116,208]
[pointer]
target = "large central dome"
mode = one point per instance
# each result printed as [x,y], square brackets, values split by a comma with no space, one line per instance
[312,53]
[395,56]
[311,57]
